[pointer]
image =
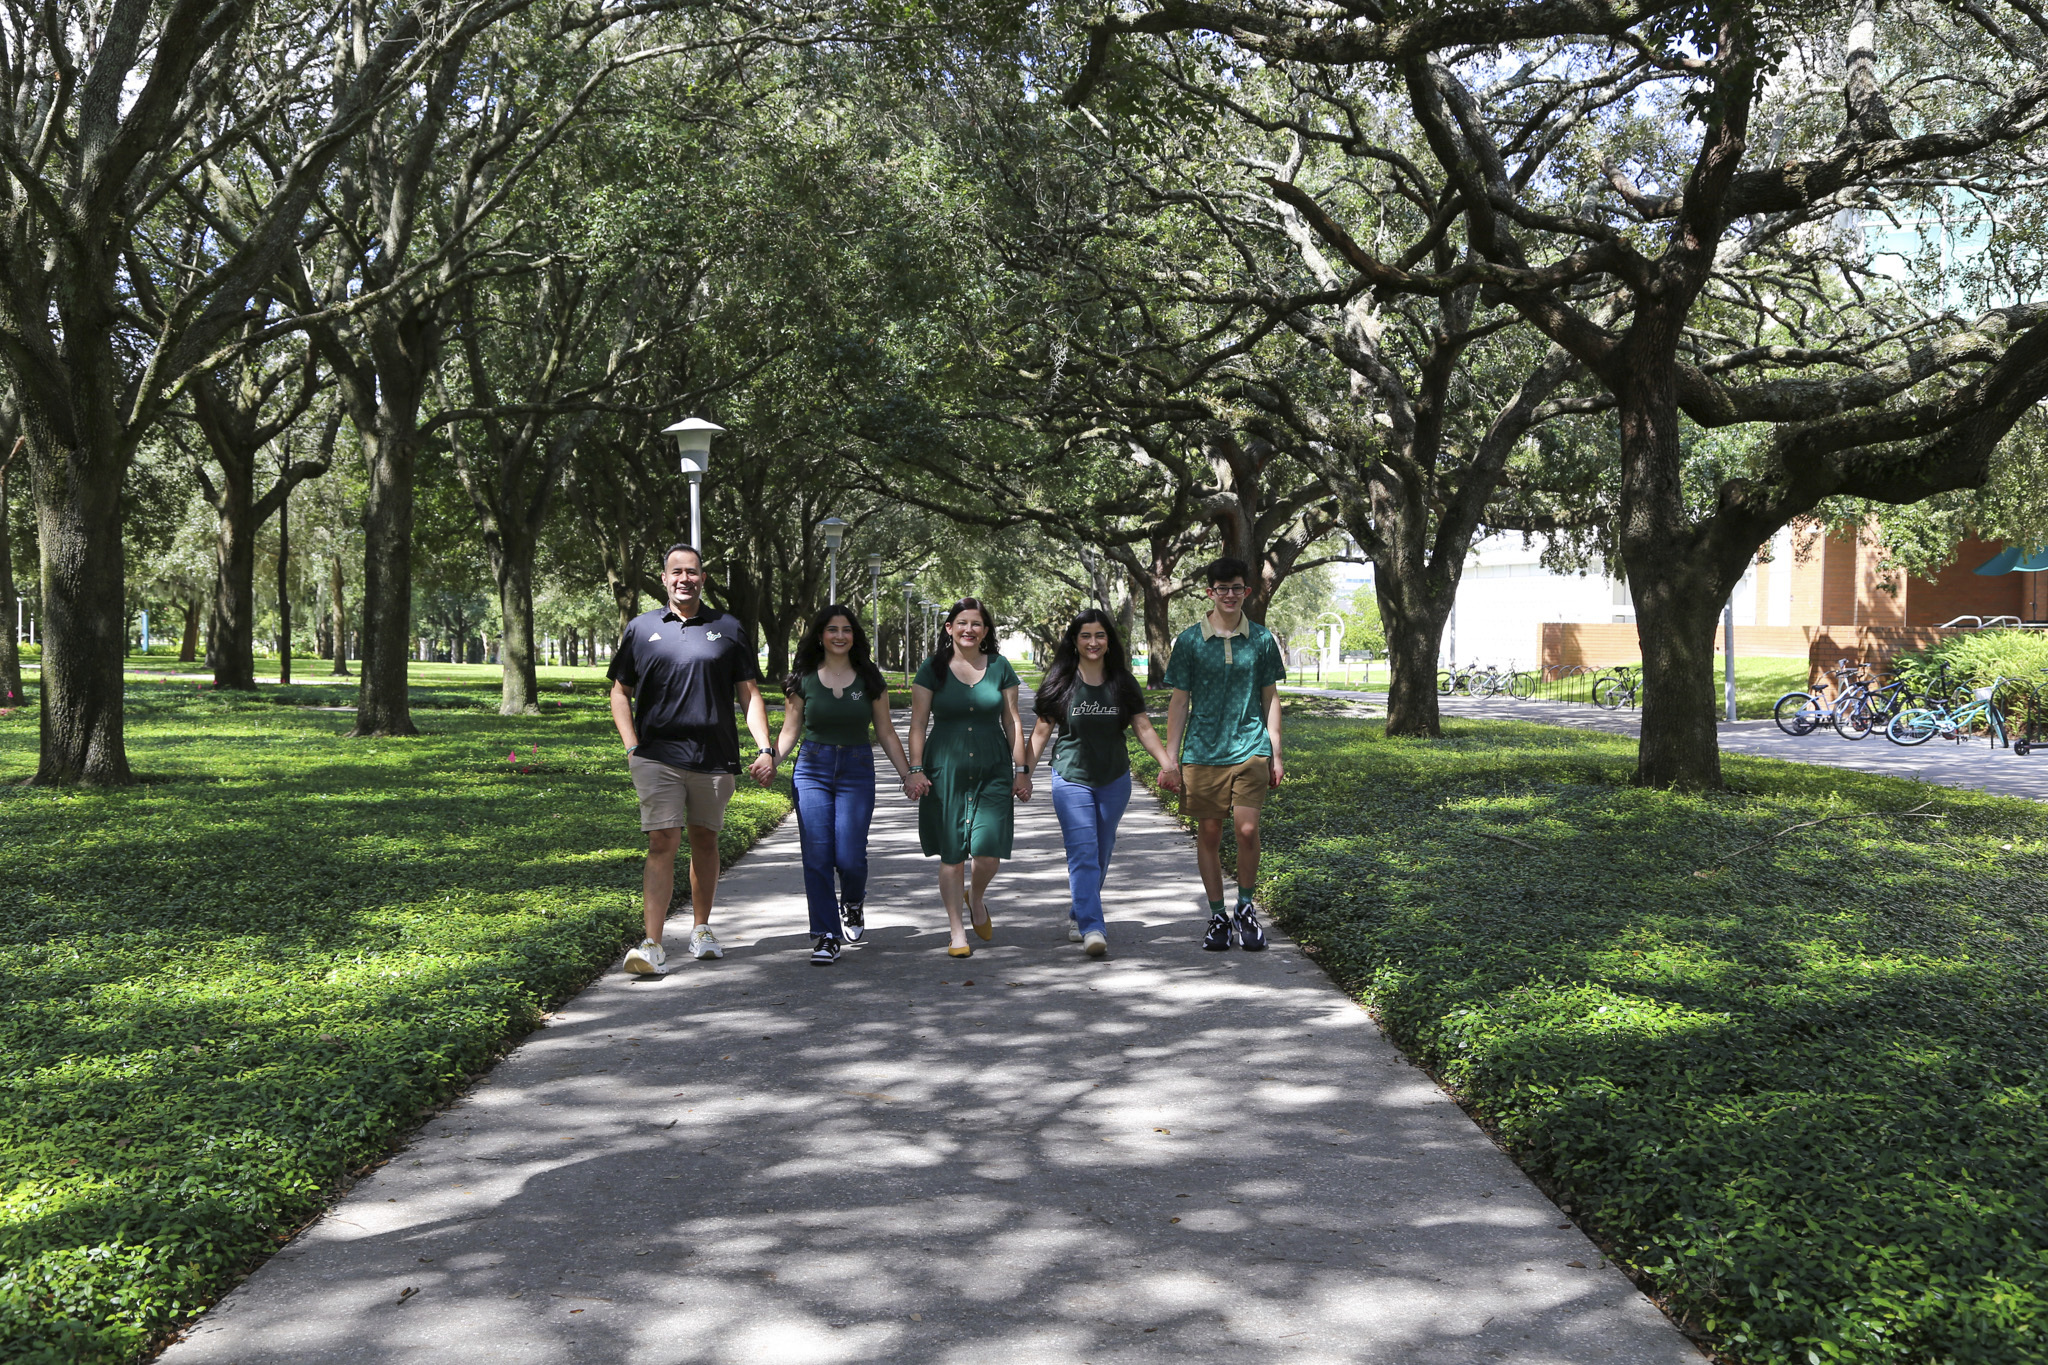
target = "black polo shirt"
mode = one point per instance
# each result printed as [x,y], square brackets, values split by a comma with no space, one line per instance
[684,675]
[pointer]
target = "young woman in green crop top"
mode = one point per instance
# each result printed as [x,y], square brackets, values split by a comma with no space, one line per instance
[835,700]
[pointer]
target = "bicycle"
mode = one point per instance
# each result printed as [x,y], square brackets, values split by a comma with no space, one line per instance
[1922,723]
[1521,684]
[1801,713]
[1862,708]
[1618,687]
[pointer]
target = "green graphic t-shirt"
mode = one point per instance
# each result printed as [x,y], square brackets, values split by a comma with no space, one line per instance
[1223,676]
[845,719]
[1089,747]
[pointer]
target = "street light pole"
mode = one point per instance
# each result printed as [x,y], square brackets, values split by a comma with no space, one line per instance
[835,531]
[693,441]
[909,589]
[875,594]
[1728,654]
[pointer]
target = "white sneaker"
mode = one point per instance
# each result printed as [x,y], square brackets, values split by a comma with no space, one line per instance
[1073,930]
[1095,944]
[649,959]
[704,943]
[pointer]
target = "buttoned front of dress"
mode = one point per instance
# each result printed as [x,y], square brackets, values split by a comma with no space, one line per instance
[969,811]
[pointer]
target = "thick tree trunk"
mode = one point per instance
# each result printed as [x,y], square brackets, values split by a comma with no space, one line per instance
[188,643]
[284,591]
[10,642]
[85,619]
[519,691]
[1678,610]
[231,630]
[338,604]
[1413,639]
[1677,590]
[382,707]
[1158,629]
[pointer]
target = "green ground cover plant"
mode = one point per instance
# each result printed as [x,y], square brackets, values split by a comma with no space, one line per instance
[1793,1082]
[225,989]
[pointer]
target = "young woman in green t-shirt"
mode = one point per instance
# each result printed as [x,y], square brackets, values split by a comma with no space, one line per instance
[1087,701]
[835,699]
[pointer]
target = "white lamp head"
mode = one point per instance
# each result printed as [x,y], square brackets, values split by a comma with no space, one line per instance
[693,437]
[834,529]
[874,564]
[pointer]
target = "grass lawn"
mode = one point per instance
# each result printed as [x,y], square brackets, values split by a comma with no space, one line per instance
[1794,1085]
[224,990]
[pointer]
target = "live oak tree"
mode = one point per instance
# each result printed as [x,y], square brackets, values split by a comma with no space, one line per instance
[1694,253]
[108,299]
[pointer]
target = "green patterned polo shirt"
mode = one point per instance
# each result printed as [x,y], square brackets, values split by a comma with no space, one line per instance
[1223,676]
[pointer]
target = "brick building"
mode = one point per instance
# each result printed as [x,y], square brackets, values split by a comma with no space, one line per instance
[1809,594]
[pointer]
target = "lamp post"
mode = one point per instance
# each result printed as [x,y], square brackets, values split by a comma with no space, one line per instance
[909,590]
[835,531]
[875,594]
[693,439]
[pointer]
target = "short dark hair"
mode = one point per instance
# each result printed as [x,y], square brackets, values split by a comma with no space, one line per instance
[682,545]
[1224,569]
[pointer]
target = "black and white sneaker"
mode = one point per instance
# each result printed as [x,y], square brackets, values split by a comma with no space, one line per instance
[853,916]
[1218,938]
[824,950]
[1250,936]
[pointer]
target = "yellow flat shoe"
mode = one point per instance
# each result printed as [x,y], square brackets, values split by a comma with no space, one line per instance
[985,926]
[964,950]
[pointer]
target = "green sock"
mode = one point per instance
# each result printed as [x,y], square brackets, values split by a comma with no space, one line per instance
[1215,907]
[1244,894]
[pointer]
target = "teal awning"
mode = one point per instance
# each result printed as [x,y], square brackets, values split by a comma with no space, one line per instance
[2013,560]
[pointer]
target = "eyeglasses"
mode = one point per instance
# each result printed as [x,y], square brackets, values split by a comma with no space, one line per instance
[1228,589]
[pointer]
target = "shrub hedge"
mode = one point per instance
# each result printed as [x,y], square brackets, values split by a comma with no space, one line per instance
[224,990]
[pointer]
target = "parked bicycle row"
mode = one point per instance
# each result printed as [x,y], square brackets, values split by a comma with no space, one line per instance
[1913,705]
[1612,687]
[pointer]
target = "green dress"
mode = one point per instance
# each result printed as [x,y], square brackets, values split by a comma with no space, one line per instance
[969,811]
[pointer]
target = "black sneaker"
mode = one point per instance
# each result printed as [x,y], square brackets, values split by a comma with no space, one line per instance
[853,916]
[824,950]
[1218,937]
[1250,936]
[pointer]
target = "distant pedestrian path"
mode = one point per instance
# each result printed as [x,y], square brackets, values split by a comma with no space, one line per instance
[1972,764]
[1025,1156]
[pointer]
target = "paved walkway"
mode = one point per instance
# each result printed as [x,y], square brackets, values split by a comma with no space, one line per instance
[1973,764]
[1025,1157]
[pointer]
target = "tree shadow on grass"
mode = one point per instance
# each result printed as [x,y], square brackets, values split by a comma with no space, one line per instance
[1798,1082]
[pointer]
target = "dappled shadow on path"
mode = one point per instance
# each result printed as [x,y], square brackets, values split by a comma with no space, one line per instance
[1168,1155]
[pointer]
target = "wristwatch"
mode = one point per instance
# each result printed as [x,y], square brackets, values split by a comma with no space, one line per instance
[1019,769]
[766,750]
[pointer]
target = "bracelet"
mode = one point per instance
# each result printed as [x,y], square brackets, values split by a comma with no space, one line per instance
[917,767]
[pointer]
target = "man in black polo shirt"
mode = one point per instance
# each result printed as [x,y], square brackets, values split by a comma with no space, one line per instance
[685,664]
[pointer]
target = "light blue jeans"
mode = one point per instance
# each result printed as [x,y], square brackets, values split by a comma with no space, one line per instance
[835,800]
[1088,819]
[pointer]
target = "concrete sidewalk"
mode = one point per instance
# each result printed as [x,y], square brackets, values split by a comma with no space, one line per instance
[1973,764]
[1024,1157]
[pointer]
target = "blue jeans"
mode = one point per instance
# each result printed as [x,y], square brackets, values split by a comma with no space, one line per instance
[1088,820]
[835,800]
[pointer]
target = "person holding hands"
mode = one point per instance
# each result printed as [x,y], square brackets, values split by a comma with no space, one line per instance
[836,700]
[675,677]
[1087,701]
[969,768]
[1225,715]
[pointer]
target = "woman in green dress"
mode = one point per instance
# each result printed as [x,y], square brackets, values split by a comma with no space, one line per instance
[972,764]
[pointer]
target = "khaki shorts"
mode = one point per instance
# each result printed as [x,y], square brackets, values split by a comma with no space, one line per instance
[673,797]
[1208,793]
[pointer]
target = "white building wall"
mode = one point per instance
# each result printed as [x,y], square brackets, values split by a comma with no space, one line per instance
[1506,595]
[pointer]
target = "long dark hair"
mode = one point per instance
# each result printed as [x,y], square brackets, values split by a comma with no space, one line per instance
[810,654]
[1065,670]
[942,656]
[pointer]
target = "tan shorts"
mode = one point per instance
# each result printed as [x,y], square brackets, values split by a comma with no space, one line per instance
[673,797]
[1208,793]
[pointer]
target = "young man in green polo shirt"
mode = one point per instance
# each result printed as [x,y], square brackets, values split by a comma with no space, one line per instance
[1226,707]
